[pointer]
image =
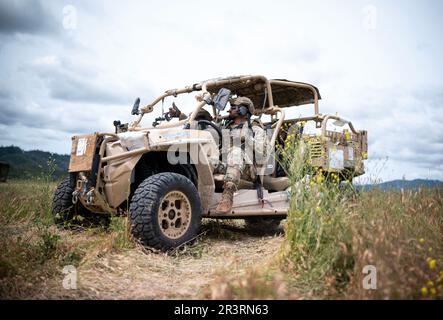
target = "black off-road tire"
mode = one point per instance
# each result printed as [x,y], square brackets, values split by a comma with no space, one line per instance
[267,225]
[63,210]
[66,214]
[147,206]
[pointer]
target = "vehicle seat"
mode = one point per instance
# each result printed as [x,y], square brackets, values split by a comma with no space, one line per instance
[276,184]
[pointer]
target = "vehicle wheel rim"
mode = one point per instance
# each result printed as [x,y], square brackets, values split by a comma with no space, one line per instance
[174,214]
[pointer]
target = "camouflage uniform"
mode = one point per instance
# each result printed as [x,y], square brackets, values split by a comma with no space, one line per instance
[245,148]
[245,145]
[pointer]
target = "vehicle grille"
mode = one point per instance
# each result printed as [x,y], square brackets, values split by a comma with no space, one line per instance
[316,150]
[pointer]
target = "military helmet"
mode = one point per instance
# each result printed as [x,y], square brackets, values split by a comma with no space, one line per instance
[244,101]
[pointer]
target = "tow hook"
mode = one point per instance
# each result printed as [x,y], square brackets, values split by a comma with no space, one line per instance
[90,197]
[75,196]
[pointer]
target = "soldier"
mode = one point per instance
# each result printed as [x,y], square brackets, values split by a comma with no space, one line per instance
[249,143]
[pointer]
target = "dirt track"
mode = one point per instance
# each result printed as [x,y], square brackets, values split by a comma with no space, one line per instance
[227,249]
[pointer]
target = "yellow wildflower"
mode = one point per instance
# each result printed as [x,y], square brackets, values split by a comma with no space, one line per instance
[432,263]
[424,291]
[430,283]
[421,240]
[433,291]
[318,210]
[347,135]
[319,179]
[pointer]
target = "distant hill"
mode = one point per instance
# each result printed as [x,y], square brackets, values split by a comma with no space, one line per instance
[31,164]
[403,184]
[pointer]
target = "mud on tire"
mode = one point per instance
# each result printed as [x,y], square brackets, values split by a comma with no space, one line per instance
[165,211]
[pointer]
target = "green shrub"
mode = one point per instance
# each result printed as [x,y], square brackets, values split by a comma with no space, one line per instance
[318,235]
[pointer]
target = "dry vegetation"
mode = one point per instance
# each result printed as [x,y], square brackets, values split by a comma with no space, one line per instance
[109,263]
[329,236]
[333,232]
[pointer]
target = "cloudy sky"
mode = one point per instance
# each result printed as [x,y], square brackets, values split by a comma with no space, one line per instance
[74,67]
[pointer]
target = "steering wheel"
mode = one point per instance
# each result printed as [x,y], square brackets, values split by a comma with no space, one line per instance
[215,127]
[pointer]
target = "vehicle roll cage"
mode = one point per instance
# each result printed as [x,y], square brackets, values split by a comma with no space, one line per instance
[260,90]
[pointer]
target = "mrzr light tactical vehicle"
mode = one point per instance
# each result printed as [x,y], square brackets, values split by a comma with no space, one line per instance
[131,172]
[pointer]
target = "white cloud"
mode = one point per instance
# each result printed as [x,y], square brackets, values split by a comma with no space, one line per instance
[51,61]
[57,82]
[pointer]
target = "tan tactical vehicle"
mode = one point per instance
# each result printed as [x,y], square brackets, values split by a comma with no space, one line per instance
[134,170]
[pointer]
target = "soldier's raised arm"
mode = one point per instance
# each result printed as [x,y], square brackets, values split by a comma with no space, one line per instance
[175,112]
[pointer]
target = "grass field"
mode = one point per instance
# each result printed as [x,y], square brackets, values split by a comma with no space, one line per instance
[320,253]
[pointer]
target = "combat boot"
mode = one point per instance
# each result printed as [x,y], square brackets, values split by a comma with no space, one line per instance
[227,198]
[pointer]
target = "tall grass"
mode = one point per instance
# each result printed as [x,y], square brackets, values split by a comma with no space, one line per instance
[33,250]
[318,234]
[401,234]
[333,233]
